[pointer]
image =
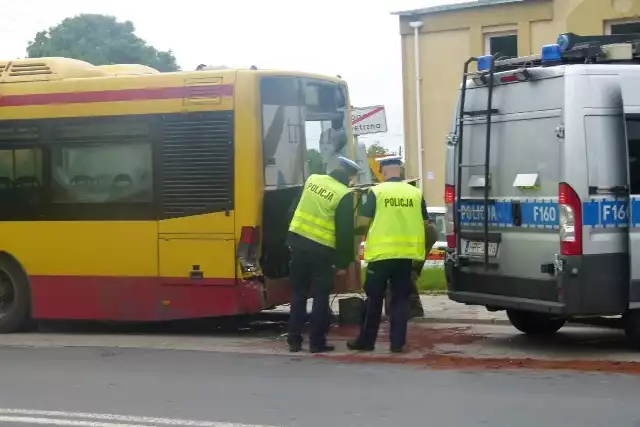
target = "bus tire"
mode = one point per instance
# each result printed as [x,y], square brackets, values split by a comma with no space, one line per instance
[632,328]
[15,297]
[535,324]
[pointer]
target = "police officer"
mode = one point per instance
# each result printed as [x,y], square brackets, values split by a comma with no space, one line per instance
[416,309]
[321,238]
[396,214]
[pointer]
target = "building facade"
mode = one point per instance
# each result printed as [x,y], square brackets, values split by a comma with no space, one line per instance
[449,35]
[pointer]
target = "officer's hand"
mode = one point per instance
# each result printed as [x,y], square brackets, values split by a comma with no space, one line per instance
[341,273]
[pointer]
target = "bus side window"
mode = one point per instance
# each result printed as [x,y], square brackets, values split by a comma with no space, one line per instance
[102,161]
[28,168]
[6,169]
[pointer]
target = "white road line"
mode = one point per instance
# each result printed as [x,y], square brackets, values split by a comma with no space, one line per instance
[62,422]
[63,418]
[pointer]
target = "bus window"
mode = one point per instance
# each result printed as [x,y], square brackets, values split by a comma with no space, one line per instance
[112,170]
[6,169]
[20,168]
[304,124]
[28,167]
[313,133]
[282,132]
[325,125]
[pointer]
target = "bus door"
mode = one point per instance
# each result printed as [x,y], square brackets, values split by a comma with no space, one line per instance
[630,86]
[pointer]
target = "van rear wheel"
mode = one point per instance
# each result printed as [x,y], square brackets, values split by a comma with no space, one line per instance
[632,328]
[536,324]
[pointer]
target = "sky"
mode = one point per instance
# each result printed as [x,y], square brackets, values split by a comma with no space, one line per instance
[356,39]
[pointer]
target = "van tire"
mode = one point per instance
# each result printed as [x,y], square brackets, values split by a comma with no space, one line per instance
[632,328]
[535,324]
[16,316]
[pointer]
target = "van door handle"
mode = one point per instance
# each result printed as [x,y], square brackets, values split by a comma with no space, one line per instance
[516,213]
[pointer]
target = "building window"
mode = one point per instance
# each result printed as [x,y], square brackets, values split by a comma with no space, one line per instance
[502,44]
[102,162]
[622,27]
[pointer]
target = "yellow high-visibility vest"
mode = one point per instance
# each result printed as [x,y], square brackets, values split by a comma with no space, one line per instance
[397,230]
[315,215]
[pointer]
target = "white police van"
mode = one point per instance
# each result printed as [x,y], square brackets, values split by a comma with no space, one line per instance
[549,146]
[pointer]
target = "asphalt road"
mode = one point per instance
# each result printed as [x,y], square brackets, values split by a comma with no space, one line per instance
[102,387]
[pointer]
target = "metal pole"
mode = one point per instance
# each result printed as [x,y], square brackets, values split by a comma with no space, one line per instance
[416,54]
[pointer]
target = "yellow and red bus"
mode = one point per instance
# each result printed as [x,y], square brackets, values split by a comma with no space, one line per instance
[132,195]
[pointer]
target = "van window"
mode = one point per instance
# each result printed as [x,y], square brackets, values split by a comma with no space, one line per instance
[604,151]
[633,141]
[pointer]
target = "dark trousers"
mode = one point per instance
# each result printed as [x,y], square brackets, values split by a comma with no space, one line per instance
[309,271]
[379,273]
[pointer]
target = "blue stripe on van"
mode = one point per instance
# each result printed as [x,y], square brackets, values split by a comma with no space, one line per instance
[544,213]
[635,211]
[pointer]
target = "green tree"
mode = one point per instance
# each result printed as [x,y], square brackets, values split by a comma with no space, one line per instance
[314,160]
[99,40]
[377,149]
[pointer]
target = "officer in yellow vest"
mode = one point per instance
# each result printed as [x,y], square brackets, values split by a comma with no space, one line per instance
[322,240]
[396,215]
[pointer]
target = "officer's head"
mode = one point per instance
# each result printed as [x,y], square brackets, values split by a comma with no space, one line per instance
[390,166]
[350,167]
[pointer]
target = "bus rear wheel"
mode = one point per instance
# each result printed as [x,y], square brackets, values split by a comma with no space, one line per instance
[15,299]
[535,324]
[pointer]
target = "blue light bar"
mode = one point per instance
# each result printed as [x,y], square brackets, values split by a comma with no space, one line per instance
[563,42]
[484,62]
[551,53]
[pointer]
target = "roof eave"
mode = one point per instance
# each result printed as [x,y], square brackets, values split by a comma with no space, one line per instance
[455,7]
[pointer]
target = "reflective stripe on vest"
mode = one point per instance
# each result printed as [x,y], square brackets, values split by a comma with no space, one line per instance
[397,231]
[315,215]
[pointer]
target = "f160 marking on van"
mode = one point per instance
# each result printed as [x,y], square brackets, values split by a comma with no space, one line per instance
[545,214]
[607,213]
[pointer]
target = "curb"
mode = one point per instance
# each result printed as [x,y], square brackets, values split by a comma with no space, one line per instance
[459,320]
[584,323]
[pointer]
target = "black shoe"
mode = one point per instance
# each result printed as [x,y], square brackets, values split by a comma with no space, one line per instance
[327,348]
[396,349]
[295,348]
[356,345]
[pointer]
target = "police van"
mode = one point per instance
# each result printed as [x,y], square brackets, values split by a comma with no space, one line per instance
[549,147]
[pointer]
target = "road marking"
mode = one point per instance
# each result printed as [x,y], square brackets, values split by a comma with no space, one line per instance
[62,422]
[85,419]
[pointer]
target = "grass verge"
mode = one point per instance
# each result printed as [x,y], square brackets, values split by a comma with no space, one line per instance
[431,281]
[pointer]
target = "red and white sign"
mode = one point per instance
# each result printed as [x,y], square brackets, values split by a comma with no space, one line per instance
[369,120]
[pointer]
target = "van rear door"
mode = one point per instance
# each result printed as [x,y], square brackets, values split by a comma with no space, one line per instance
[525,170]
[630,86]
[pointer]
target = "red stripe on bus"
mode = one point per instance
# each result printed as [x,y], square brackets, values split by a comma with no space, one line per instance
[116,95]
[142,298]
[367,115]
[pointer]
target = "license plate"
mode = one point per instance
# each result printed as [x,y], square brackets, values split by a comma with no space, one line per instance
[474,247]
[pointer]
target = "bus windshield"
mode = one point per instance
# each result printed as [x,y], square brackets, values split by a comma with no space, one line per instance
[305,127]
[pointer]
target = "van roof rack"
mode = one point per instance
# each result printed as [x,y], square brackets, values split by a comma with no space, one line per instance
[573,49]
